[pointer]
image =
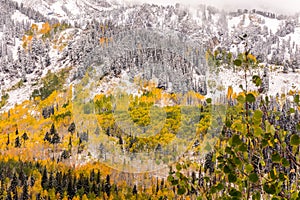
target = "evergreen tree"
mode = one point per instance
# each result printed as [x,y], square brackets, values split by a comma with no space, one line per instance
[14,183]
[32,181]
[72,128]
[98,177]
[8,140]
[25,194]
[134,190]
[47,137]
[51,181]
[59,183]
[107,186]
[92,175]
[71,186]
[52,130]
[86,185]
[25,137]
[55,138]
[17,142]
[45,178]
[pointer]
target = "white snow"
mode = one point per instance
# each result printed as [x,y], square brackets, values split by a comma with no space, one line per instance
[282,83]
[116,84]
[295,37]
[233,23]
[56,8]
[17,96]
[273,24]
[72,5]
[279,82]
[15,48]
[18,16]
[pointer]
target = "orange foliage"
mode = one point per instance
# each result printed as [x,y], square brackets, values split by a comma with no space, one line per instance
[102,40]
[229,92]
[105,40]
[34,27]
[46,28]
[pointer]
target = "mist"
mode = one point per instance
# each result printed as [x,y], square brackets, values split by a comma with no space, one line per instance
[277,6]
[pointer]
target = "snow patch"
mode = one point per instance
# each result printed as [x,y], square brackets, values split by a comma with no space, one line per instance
[18,16]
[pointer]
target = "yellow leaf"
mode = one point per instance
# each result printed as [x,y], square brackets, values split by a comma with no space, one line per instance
[275,172]
[29,37]
[229,92]
[270,143]
[34,27]
[102,40]
[45,28]
[251,57]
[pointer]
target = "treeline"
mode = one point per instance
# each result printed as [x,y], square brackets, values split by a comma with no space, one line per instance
[47,180]
[33,180]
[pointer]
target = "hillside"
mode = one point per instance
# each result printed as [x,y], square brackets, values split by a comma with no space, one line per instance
[197,101]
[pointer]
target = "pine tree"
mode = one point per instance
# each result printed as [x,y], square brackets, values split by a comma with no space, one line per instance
[25,194]
[52,130]
[86,185]
[45,178]
[32,181]
[107,186]
[47,137]
[70,189]
[17,142]
[94,188]
[14,183]
[8,140]
[55,138]
[59,183]
[92,175]
[25,137]
[51,181]
[98,177]
[72,128]
[134,190]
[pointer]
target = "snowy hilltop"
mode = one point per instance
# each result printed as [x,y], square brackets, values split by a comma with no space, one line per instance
[165,44]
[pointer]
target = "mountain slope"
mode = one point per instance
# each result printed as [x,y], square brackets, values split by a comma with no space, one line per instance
[78,43]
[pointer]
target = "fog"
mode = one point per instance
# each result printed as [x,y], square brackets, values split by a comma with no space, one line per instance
[278,6]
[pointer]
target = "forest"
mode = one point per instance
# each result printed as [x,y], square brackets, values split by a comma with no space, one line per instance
[87,131]
[247,148]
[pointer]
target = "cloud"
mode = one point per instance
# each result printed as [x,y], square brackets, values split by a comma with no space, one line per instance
[278,6]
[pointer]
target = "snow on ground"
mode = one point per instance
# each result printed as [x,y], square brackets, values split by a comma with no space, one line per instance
[282,83]
[234,22]
[15,48]
[114,85]
[56,7]
[18,16]
[279,82]
[194,14]
[273,24]
[72,5]
[295,37]
[17,96]
[39,5]
[19,1]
